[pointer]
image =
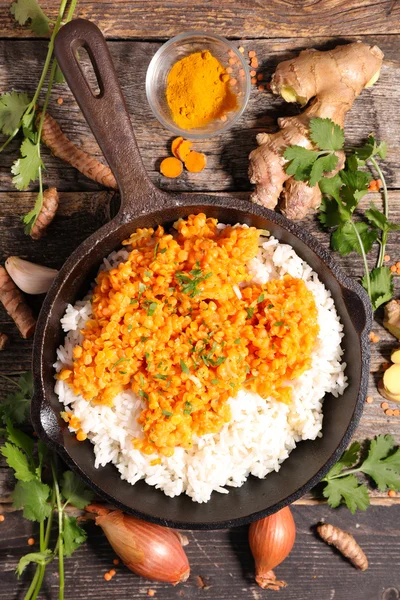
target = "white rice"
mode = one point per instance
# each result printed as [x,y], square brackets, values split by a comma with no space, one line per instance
[261,433]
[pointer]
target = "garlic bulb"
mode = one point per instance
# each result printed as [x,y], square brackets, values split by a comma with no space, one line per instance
[29,277]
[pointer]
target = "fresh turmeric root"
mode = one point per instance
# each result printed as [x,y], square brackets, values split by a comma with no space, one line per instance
[3,341]
[63,148]
[332,80]
[47,213]
[15,305]
[345,543]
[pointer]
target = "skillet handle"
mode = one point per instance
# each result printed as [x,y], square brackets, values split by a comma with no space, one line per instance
[106,113]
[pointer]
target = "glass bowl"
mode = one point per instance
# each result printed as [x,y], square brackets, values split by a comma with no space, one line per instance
[178,47]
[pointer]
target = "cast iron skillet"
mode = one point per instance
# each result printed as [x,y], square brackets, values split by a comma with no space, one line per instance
[143,205]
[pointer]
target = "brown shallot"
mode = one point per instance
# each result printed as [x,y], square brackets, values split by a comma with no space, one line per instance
[271,539]
[148,550]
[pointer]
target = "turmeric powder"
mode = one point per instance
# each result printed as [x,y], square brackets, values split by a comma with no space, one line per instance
[198,91]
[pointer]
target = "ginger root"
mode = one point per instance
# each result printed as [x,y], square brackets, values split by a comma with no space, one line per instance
[63,148]
[391,318]
[3,341]
[47,213]
[15,305]
[345,543]
[332,80]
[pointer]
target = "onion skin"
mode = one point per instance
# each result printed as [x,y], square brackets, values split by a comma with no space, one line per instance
[271,539]
[148,550]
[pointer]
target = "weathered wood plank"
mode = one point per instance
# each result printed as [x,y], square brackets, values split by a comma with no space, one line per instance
[227,155]
[223,560]
[240,19]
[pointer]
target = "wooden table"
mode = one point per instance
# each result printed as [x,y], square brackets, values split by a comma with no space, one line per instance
[276,30]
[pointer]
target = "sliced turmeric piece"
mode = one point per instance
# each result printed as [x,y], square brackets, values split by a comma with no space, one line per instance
[391,380]
[395,356]
[386,394]
[195,161]
[183,149]
[175,144]
[171,167]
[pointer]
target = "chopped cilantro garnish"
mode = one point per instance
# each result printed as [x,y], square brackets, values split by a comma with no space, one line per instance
[237,341]
[142,288]
[270,306]
[260,298]
[133,301]
[143,394]
[214,381]
[278,324]
[119,361]
[184,367]
[189,284]
[250,312]
[148,273]
[130,327]
[163,250]
[167,413]
[152,309]
[188,408]
[164,377]
[122,372]
[156,249]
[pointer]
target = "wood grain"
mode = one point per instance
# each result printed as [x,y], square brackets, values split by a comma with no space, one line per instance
[227,155]
[222,559]
[240,19]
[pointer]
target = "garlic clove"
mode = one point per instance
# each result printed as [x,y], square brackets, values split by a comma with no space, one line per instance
[30,277]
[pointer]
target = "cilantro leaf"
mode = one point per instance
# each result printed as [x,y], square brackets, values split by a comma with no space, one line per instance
[12,107]
[382,286]
[17,460]
[370,149]
[75,491]
[16,405]
[345,239]
[29,10]
[32,496]
[324,164]
[40,558]
[349,458]
[26,168]
[331,186]
[59,75]
[301,161]
[379,220]
[331,213]
[19,438]
[74,535]
[382,464]
[348,490]
[326,134]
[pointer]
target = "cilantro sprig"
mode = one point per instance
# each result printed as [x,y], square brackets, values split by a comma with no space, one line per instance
[18,111]
[341,196]
[382,465]
[41,500]
[190,281]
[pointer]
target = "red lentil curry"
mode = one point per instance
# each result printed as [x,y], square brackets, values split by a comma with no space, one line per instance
[172,325]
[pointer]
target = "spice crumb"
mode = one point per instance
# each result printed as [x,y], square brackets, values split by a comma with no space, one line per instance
[151,592]
[252,54]
[116,561]
[229,69]
[241,49]
[31,541]
[369,399]
[60,100]
[223,118]
[231,53]
[253,80]
[261,88]
[386,258]
[392,494]
[107,576]
[2,518]
[384,405]
[389,412]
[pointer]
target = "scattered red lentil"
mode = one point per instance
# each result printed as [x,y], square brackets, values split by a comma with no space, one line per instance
[107,576]
[254,63]
[223,118]
[253,80]
[369,399]
[31,541]
[232,61]
[242,73]
[384,405]
[393,268]
[252,54]
[389,412]
[233,81]
[2,518]
[112,572]
[60,100]
[116,561]
[151,593]
[396,412]
[229,69]
[231,53]
[398,265]
[253,73]
[260,77]
[261,88]
[392,494]
[386,258]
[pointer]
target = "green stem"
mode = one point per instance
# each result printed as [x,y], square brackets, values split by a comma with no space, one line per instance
[344,473]
[60,541]
[364,256]
[382,248]
[34,581]
[11,380]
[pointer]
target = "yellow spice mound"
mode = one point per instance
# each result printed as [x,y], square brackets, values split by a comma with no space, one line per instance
[168,324]
[198,90]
